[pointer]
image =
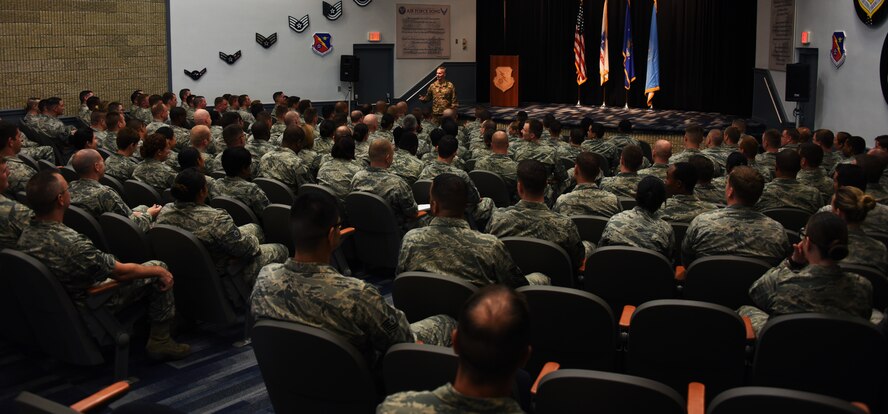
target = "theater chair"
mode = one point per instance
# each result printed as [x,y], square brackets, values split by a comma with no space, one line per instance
[535,255]
[239,212]
[724,280]
[680,341]
[276,191]
[791,218]
[377,235]
[69,174]
[62,330]
[126,240]
[418,367]
[30,162]
[423,294]
[623,275]
[28,403]
[766,400]
[114,183]
[138,193]
[421,190]
[590,227]
[84,223]
[276,226]
[571,327]
[876,277]
[491,185]
[201,294]
[840,356]
[310,370]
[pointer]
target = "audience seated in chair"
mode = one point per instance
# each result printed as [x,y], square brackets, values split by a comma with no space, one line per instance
[10,146]
[236,183]
[14,217]
[586,198]
[641,226]
[682,205]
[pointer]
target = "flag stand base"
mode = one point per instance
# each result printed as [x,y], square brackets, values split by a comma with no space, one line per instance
[626,106]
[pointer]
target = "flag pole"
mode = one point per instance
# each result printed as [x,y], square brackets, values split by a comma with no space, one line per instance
[578,95]
[603,96]
[627,100]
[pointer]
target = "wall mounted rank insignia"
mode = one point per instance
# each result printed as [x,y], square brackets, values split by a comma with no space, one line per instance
[230,59]
[332,12]
[266,42]
[298,25]
[194,74]
[837,53]
[362,3]
[323,43]
[870,12]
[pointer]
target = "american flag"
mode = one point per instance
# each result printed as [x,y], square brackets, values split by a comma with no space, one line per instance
[580,47]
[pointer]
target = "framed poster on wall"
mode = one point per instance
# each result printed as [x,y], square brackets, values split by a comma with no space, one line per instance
[422,31]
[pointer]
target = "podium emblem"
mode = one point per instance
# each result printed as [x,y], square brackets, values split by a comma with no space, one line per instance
[503,80]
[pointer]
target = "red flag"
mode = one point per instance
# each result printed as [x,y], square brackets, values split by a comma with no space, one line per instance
[580,47]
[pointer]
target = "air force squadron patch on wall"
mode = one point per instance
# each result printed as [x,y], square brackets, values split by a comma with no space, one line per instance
[298,25]
[195,74]
[870,12]
[266,42]
[323,43]
[230,59]
[334,11]
[837,53]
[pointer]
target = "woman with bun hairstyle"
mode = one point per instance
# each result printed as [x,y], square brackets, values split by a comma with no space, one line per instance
[810,280]
[852,205]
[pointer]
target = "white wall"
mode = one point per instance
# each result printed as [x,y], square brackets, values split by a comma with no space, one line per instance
[849,98]
[200,29]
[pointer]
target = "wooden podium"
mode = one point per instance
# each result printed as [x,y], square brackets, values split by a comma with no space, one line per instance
[504,81]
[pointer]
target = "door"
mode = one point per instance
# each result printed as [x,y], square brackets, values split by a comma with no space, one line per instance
[376,72]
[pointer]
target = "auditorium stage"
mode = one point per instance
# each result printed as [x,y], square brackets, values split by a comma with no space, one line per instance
[665,121]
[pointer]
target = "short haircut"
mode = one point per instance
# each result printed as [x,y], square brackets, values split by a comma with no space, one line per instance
[533,176]
[387,121]
[230,118]
[772,137]
[812,153]
[261,131]
[135,123]
[732,134]
[42,191]
[747,183]
[408,142]
[379,149]
[153,144]
[447,146]
[789,162]
[167,132]
[882,141]
[7,131]
[310,115]
[83,161]
[632,157]
[294,136]
[183,91]
[449,127]
[81,138]
[588,165]
[535,127]
[312,216]
[360,132]
[188,184]
[793,134]
[178,115]
[157,109]
[343,148]
[555,128]
[83,94]
[326,129]
[703,165]
[651,193]
[482,114]
[824,137]
[188,158]
[97,116]
[857,145]
[850,175]
[597,129]
[492,339]
[735,159]
[409,123]
[577,136]
[748,146]
[872,166]
[167,97]
[449,191]
[234,160]
[435,136]
[687,174]
[112,119]
[126,137]
[231,134]
[694,133]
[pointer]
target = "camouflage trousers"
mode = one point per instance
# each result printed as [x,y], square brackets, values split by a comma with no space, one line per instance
[268,253]
[757,317]
[161,305]
[434,330]
[40,153]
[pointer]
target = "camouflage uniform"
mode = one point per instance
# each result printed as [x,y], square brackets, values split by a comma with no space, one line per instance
[155,173]
[285,166]
[735,230]
[381,134]
[277,130]
[51,127]
[656,170]
[242,190]
[622,184]
[480,152]
[545,154]
[217,144]
[449,247]
[337,175]
[109,142]
[502,165]
[142,114]
[683,208]
[97,198]
[322,145]
[876,219]
[246,116]
[768,160]
[762,169]
[424,145]
[818,179]
[14,217]
[120,167]
[445,400]
[789,192]
[638,228]
[432,156]
[78,265]
[878,192]
[792,146]
[830,160]
[604,148]
[532,219]
[685,155]
[236,251]
[84,114]
[362,149]
[100,136]
[710,193]
[587,199]
[183,137]
[153,126]
[391,188]
[19,174]
[212,164]
[815,288]
[310,158]
[315,294]
[719,155]
[622,140]
[478,207]
[866,251]
[443,96]
[406,166]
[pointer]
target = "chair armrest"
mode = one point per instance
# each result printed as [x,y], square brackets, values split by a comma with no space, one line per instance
[548,368]
[862,406]
[104,287]
[696,398]
[679,273]
[626,316]
[346,231]
[101,397]
[750,333]
[421,213]
[583,265]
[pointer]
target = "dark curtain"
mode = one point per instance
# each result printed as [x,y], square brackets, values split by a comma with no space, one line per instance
[707,51]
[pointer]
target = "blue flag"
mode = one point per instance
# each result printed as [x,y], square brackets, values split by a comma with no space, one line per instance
[628,65]
[653,67]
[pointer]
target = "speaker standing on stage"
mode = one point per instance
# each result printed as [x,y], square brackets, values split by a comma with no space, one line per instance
[441,92]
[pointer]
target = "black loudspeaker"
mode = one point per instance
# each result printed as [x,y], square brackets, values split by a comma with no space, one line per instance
[798,82]
[348,68]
